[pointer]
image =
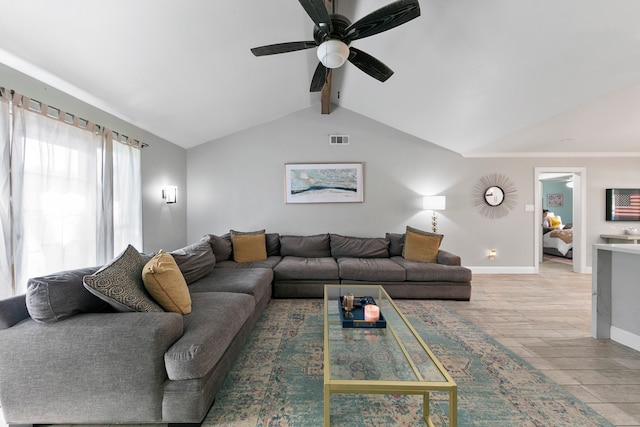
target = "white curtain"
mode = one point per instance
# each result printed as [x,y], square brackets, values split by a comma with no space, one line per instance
[75,192]
[55,219]
[127,198]
[6,286]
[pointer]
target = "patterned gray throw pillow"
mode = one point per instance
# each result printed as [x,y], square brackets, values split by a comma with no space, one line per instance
[119,283]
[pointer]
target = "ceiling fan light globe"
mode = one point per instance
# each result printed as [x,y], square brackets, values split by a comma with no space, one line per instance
[333,53]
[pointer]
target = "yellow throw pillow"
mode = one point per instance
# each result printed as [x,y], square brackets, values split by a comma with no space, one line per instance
[421,246]
[249,247]
[164,281]
[556,222]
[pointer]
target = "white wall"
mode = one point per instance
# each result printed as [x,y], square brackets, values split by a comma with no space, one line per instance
[237,183]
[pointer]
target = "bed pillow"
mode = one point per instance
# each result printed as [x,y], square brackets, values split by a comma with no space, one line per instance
[249,246]
[421,246]
[164,281]
[555,222]
[119,283]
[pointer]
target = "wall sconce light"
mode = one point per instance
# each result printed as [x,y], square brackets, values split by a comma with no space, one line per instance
[434,203]
[170,194]
[492,254]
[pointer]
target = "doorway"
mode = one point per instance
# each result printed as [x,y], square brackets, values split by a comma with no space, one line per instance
[578,175]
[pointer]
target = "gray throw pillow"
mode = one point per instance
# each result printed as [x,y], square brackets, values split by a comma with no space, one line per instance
[119,283]
[396,243]
[195,261]
[272,240]
[316,246]
[221,245]
[61,295]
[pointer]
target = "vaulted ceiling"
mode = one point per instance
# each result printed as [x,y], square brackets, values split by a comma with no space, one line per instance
[479,77]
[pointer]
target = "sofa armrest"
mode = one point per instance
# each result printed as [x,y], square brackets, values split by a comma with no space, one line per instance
[447,258]
[13,310]
[88,369]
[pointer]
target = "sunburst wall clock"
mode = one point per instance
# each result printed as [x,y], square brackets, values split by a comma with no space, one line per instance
[495,195]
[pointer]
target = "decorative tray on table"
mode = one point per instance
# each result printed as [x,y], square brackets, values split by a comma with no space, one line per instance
[358,320]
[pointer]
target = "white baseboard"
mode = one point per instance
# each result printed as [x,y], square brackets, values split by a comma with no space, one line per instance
[626,338]
[501,270]
[508,270]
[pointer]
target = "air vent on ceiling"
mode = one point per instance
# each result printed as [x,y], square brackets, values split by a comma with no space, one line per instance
[338,139]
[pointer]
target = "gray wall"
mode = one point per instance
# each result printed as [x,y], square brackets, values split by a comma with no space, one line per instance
[163,163]
[164,225]
[237,183]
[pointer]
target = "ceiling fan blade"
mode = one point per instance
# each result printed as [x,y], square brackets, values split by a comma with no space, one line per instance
[319,78]
[383,19]
[273,49]
[369,64]
[318,14]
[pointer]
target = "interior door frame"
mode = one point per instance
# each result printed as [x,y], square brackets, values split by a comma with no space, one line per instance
[579,215]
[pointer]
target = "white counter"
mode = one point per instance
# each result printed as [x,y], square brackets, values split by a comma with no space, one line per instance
[616,293]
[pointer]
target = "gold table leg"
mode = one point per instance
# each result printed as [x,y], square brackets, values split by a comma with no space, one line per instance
[327,406]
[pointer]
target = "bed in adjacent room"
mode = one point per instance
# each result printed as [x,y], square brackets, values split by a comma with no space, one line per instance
[558,240]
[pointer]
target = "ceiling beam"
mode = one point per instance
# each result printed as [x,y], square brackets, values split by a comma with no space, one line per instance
[325,94]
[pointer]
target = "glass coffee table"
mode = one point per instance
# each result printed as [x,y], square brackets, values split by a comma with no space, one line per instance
[374,360]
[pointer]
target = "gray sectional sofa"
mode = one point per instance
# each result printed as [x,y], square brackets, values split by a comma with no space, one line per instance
[68,356]
[303,264]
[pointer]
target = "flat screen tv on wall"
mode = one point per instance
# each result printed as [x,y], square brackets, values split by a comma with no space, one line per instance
[623,204]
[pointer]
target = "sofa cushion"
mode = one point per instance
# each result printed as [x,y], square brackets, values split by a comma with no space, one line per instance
[165,283]
[61,295]
[431,272]
[316,246]
[221,245]
[396,243]
[214,321]
[421,245]
[270,262]
[249,246]
[299,268]
[119,283]
[251,281]
[195,261]
[13,310]
[370,269]
[358,247]
[272,241]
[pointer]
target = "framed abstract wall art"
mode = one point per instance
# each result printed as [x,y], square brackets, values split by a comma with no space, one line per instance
[622,204]
[555,200]
[324,183]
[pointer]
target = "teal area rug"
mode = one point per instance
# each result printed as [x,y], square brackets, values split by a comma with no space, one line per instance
[278,380]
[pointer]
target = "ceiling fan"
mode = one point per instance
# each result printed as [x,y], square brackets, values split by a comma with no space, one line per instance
[333,33]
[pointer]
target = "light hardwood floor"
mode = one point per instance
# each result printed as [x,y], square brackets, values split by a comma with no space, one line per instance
[546,319]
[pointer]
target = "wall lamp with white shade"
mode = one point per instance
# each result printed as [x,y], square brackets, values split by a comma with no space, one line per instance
[434,203]
[170,194]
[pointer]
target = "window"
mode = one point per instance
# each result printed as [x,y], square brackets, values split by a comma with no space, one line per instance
[59,212]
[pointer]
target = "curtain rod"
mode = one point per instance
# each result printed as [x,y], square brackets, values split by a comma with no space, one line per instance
[63,116]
